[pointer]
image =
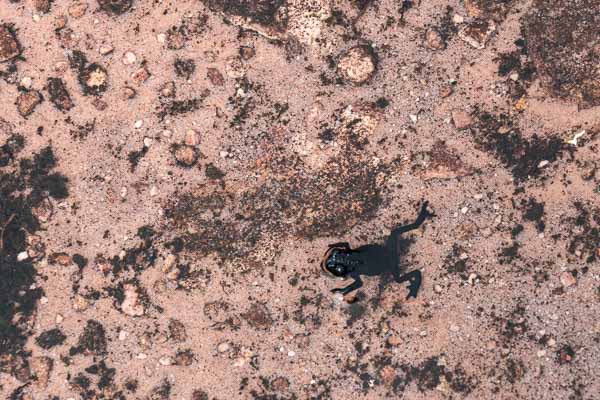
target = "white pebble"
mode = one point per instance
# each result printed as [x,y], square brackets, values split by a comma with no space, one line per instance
[22,256]
[59,319]
[291,353]
[123,335]
[223,347]
[147,141]
[129,58]
[541,353]
[138,124]
[165,361]
[26,82]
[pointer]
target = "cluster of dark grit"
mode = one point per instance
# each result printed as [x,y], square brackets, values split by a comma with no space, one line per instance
[25,184]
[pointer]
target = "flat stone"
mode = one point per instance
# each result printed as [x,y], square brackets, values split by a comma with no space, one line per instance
[9,45]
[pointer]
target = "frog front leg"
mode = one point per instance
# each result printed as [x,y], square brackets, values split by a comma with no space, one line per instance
[342,245]
[356,284]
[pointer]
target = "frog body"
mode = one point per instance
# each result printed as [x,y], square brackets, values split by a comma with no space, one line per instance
[342,261]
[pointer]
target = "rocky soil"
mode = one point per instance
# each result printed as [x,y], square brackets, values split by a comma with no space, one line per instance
[172,172]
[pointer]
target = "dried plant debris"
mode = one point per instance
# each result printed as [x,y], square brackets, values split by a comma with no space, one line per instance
[562,39]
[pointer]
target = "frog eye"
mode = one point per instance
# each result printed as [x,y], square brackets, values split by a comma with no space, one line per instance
[337,269]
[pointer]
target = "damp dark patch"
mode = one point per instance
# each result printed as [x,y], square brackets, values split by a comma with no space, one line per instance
[92,340]
[586,236]
[81,132]
[115,7]
[59,95]
[429,373]
[427,376]
[184,68]
[161,391]
[50,338]
[514,370]
[139,257]
[174,108]
[521,156]
[262,11]
[562,40]
[24,185]
[134,157]
[534,212]
[355,312]
[213,172]
[509,253]
[455,264]
[446,26]
[234,225]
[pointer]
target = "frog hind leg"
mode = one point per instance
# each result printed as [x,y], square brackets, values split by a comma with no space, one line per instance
[414,279]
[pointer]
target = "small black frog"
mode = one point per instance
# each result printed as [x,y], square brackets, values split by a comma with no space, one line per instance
[373,259]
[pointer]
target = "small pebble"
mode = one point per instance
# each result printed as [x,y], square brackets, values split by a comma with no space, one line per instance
[26,82]
[437,289]
[541,353]
[191,138]
[78,9]
[129,58]
[105,49]
[567,279]
[223,347]
[80,303]
[165,361]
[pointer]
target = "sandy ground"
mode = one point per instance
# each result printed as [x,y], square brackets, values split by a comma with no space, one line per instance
[172,173]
